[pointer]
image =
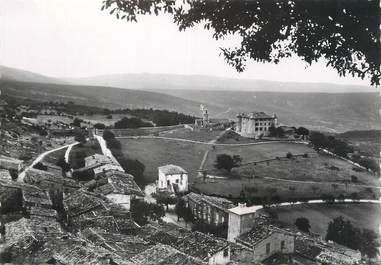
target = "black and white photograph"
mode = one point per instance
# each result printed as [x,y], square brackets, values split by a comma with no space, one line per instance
[190,132]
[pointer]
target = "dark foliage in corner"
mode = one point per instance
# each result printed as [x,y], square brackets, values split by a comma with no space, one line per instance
[344,33]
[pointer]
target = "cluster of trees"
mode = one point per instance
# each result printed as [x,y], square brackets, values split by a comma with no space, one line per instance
[342,148]
[330,143]
[303,224]
[278,131]
[158,117]
[367,162]
[131,166]
[131,123]
[142,211]
[227,162]
[343,232]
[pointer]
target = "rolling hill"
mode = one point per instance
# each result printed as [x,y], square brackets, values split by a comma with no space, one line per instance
[319,111]
[8,73]
[104,97]
[146,81]
[224,98]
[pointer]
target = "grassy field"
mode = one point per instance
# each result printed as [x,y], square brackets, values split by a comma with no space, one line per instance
[361,215]
[196,135]
[154,153]
[100,118]
[300,177]
[54,157]
[251,153]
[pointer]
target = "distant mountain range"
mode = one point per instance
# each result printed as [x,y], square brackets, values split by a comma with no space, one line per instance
[336,112]
[145,81]
[8,73]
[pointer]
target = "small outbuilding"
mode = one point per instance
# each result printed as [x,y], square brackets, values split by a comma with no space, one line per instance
[173,178]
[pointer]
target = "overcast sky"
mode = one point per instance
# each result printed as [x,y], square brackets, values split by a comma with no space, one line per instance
[73,38]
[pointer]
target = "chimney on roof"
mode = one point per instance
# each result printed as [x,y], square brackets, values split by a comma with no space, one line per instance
[241,205]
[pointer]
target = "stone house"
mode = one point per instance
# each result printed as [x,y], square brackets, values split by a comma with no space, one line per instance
[241,220]
[255,124]
[253,231]
[173,178]
[34,197]
[266,240]
[120,188]
[97,159]
[209,209]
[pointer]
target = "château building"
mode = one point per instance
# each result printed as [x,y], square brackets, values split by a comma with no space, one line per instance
[255,124]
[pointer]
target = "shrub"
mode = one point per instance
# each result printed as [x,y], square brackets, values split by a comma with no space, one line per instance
[99,126]
[40,166]
[227,162]
[289,155]
[107,135]
[303,224]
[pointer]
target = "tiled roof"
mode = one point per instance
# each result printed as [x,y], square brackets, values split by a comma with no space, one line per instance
[43,212]
[4,174]
[42,179]
[97,159]
[119,183]
[26,233]
[164,255]
[34,195]
[262,229]
[201,246]
[194,244]
[80,202]
[124,245]
[220,203]
[172,170]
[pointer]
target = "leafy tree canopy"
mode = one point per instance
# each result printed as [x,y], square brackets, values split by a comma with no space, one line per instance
[303,224]
[227,162]
[344,33]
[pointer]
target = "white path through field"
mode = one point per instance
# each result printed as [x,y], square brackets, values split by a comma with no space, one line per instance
[40,157]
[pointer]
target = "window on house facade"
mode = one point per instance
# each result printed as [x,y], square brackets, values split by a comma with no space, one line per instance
[267,248]
[177,181]
[282,245]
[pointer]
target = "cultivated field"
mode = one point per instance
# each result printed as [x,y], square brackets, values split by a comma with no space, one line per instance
[154,153]
[361,215]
